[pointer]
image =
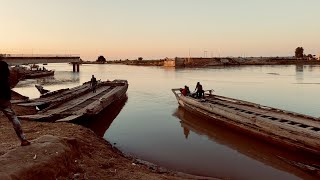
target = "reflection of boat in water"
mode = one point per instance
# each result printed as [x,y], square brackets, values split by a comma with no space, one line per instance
[76,103]
[101,123]
[303,165]
[295,130]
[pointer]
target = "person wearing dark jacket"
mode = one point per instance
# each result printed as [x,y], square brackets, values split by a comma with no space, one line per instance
[199,90]
[93,83]
[5,104]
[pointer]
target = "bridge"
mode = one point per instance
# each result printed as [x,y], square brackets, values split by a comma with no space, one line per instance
[23,59]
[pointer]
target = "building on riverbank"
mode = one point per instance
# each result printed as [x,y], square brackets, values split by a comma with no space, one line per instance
[176,62]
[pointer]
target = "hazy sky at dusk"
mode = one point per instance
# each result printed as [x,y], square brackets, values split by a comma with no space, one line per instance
[159,28]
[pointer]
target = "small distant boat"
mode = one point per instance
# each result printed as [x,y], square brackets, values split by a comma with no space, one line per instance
[38,74]
[76,103]
[274,125]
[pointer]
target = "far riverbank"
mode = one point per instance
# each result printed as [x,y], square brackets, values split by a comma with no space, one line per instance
[208,62]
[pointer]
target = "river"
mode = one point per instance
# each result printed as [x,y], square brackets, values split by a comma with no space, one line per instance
[152,127]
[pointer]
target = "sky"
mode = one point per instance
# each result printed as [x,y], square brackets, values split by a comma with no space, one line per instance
[128,29]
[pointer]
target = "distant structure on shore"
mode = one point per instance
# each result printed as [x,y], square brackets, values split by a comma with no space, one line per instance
[218,61]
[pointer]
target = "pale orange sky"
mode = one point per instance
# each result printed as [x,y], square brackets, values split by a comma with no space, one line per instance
[120,29]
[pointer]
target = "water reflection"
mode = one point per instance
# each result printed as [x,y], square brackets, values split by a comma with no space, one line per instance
[101,122]
[299,68]
[299,73]
[269,154]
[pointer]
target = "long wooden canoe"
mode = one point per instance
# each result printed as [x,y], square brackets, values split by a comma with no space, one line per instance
[77,102]
[276,125]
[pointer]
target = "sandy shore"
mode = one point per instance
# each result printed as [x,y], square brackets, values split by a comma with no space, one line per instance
[85,154]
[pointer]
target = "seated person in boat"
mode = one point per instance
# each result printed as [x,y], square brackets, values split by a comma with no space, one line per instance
[199,91]
[185,91]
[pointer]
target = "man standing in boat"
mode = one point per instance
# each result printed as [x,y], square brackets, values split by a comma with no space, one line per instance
[93,83]
[5,104]
[199,90]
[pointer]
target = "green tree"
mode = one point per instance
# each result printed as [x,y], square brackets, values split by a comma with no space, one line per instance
[101,59]
[299,52]
[140,58]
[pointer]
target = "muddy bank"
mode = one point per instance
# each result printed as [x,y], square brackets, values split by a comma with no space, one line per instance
[69,151]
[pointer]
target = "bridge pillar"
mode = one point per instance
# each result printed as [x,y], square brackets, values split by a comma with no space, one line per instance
[76,67]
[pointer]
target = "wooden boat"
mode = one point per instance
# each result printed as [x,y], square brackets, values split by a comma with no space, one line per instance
[274,125]
[75,103]
[38,74]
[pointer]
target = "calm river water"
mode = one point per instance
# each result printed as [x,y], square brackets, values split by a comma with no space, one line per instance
[152,127]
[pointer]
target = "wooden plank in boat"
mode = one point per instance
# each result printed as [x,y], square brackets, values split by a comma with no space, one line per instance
[69,118]
[75,102]
[101,103]
[31,104]
[35,117]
